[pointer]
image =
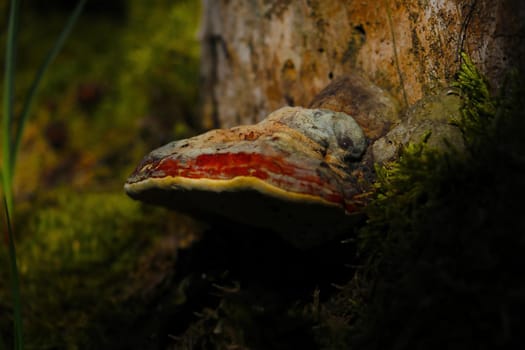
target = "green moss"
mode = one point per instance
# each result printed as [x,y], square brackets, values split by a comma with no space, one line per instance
[63,238]
[76,256]
[479,108]
[445,234]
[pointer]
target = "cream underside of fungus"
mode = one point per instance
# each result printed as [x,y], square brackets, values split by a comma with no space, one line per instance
[292,172]
[238,183]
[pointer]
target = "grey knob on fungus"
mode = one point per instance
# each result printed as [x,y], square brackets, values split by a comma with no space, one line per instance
[291,173]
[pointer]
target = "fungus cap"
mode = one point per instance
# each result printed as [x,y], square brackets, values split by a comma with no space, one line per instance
[293,173]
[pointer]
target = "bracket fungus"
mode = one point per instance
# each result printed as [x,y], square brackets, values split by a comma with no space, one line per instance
[296,171]
[303,172]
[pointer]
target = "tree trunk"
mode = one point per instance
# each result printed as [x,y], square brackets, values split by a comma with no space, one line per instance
[262,55]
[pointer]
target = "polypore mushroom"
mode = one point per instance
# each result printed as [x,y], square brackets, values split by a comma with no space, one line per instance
[294,172]
[305,173]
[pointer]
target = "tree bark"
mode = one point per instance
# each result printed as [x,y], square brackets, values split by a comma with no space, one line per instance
[260,55]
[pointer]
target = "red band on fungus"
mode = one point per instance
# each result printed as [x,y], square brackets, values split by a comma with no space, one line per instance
[226,166]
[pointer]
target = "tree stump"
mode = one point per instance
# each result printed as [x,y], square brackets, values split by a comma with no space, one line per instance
[258,56]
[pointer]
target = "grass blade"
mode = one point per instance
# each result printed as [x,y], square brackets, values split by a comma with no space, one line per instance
[7,123]
[9,92]
[15,283]
[10,146]
[38,78]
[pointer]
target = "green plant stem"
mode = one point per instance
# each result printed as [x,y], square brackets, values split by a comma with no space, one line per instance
[7,121]
[38,78]
[11,146]
[15,284]
[9,90]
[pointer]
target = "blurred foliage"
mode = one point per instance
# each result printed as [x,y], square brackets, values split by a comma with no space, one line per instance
[77,267]
[80,243]
[92,259]
[122,85]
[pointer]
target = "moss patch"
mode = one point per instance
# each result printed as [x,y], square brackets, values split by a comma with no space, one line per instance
[445,235]
[76,258]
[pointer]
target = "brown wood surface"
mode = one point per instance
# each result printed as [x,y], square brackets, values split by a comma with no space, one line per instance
[262,55]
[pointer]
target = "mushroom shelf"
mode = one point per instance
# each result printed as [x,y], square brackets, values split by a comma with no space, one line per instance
[298,172]
[306,173]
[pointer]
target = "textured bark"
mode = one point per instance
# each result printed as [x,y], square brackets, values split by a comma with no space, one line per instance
[264,54]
